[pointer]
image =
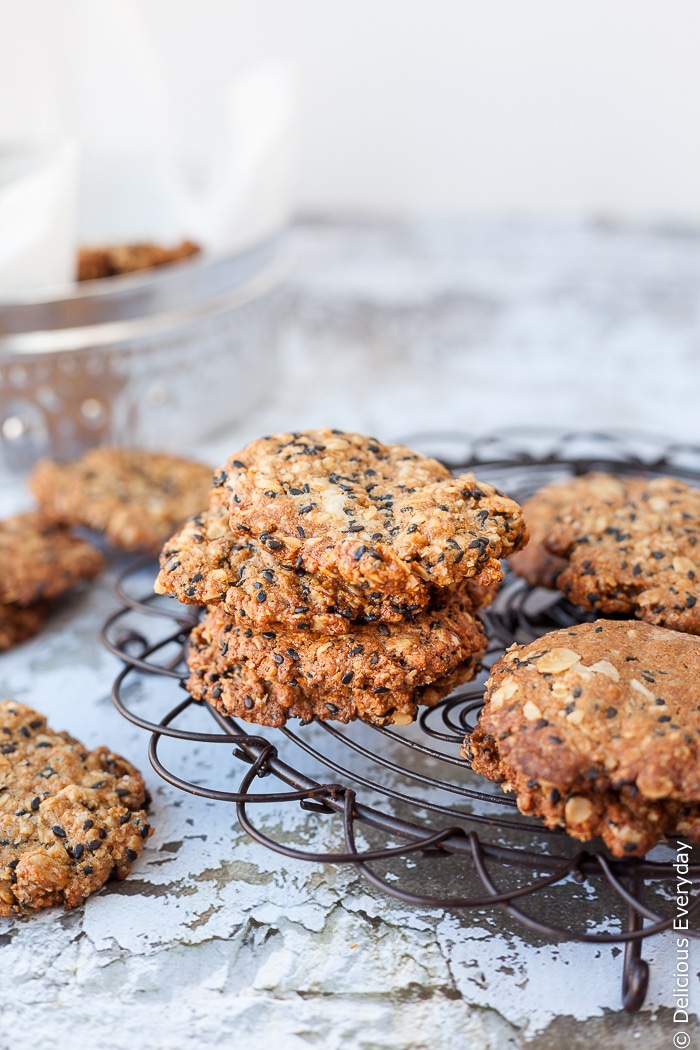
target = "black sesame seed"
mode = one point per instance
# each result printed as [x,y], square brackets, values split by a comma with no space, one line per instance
[611,712]
[274,545]
[88,869]
[380,689]
[58,831]
[248,701]
[347,677]
[131,854]
[237,463]
[359,552]
[36,802]
[261,596]
[554,796]
[94,844]
[690,601]
[278,658]
[332,708]
[78,850]
[88,824]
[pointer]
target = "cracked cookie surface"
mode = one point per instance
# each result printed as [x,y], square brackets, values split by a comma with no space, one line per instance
[69,817]
[377,672]
[41,560]
[206,563]
[136,498]
[596,728]
[381,517]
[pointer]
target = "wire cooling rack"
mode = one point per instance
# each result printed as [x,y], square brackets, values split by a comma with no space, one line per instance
[413,816]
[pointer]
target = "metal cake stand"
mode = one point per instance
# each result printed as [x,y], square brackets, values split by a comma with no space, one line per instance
[415,820]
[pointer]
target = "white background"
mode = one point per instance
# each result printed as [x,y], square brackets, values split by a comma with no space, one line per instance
[505,106]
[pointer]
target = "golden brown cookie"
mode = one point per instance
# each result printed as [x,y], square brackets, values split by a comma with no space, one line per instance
[69,817]
[636,553]
[596,729]
[135,497]
[40,560]
[95,263]
[536,563]
[377,672]
[206,563]
[381,517]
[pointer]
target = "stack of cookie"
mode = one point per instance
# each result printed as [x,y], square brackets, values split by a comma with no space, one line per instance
[342,577]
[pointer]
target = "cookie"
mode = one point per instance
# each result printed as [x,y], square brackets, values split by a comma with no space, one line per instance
[69,817]
[96,263]
[381,517]
[135,497]
[377,672]
[206,563]
[40,560]
[536,563]
[596,729]
[18,623]
[635,554]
